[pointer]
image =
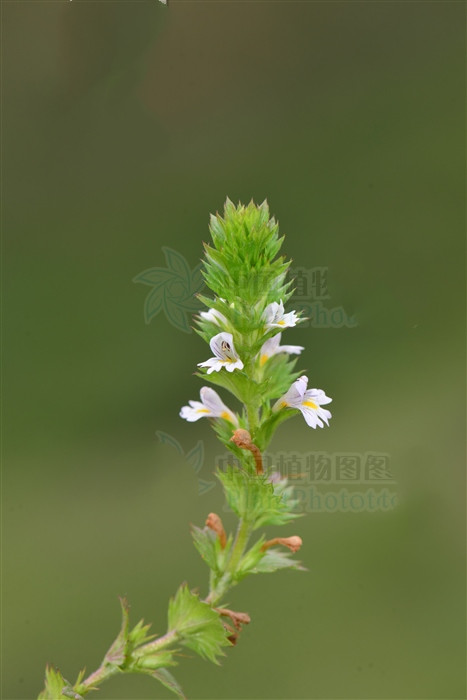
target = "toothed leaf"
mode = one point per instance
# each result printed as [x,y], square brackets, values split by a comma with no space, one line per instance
[197,625]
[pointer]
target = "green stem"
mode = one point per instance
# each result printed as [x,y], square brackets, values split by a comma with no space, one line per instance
[252,407]
[149,648]
[107,670]
[241,540]
[219,590]
[97,677]
[252,417]
[227,580]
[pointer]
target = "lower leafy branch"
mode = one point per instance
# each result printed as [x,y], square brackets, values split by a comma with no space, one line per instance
[243,326]
[192,623]
[203,626]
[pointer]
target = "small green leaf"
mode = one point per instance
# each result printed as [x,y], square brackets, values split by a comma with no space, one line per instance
[54,684]
[249,560]
[166,678]
[275,559]
[236,382]
[255,499]
[205,543]
[117,653]
[268,428]
[280,375]
[197,625]
[150,662]
[208,545]
[256,561]
[139,635]
[80,677]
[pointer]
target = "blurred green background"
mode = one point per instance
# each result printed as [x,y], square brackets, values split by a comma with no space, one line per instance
[124,125]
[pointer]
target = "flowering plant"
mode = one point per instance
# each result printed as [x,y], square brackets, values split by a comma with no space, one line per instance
[243,326]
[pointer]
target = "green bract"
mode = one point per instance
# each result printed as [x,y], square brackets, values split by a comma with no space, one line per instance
[240,264]
[196,624]
[255,499]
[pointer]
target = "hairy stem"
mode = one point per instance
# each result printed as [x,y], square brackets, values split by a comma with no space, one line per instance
[252,416]
[101,674]
[241,540]
[149,648]
[227,580]
[107,670]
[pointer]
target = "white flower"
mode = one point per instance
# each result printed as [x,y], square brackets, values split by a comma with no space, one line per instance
[309,402]
[214,316]
[225,354]
[210,406]
[275,317]
[271,347]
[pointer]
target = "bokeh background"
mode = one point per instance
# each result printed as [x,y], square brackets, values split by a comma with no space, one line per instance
[124,125]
